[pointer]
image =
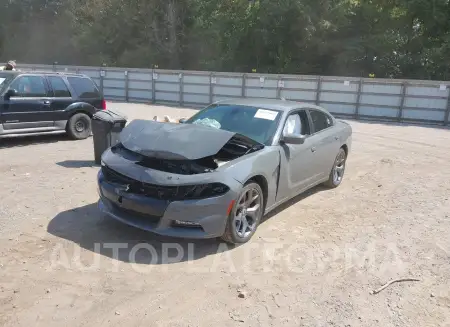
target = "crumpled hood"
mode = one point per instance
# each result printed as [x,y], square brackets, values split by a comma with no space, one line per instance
[173,141]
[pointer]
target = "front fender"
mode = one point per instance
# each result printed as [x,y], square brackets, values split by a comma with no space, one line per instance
[263,163]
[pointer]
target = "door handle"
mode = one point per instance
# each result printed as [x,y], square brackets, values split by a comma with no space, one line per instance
[46,102]
[313,149]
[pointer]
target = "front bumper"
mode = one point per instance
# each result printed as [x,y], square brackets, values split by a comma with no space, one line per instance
[159,216]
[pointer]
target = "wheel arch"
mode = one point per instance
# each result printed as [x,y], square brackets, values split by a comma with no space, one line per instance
[262,182]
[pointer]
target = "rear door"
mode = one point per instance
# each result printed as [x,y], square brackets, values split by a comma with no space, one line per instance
[31,108]
[326,142]
[85,90]
[61,97]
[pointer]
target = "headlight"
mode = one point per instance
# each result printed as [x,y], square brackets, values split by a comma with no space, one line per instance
[102,163]
[205,190]
[186,192]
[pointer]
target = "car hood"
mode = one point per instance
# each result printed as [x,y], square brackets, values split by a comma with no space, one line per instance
[174,141]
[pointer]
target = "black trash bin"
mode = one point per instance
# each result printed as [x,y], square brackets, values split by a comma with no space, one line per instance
[106,128]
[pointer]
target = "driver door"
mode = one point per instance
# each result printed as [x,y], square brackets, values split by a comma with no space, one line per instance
[297,171]
[30,108]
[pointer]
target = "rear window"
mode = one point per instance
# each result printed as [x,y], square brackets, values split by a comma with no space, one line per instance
[84,87]
[60,89]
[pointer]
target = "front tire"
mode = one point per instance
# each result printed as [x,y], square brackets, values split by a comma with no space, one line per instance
[79,126]
[246,215]
[338,170]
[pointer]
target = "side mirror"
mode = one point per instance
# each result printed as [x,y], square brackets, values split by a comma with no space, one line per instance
[182,121]
[10,93]
[293,139]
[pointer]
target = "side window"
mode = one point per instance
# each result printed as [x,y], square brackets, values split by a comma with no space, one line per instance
[60,89]
[30,86]
[320,120]
[84,87]
[297,124]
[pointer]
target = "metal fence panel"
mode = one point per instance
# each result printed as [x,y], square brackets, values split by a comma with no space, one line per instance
[167,87]
[140,85]
[197,79]
[426,91]
[114,93]
[381,88]
[298,95]
[203,89]
[262,93]
[140,94]
[374,111]
[164,96]
[424,115]
[227,91]
[196,99]
[344,86]
[114,74]
[299,84]
[137,76]
[426,103]
[221,97]
[337,97]
[339,108]
[168,77]
[391,101]
[112,83]
[408,100]
[261,82]
[231,81]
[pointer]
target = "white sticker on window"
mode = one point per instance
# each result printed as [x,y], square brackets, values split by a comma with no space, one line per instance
[266,114]
[2,80]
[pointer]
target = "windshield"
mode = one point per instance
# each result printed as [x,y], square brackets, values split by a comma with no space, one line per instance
[255,123]
[4,80]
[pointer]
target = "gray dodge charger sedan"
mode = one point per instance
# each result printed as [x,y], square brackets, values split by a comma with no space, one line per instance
[219,172]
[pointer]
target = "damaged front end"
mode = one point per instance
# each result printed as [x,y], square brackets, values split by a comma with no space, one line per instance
[211,148]
[165,178]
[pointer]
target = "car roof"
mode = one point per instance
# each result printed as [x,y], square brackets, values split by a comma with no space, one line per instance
[36,72]
[280,105]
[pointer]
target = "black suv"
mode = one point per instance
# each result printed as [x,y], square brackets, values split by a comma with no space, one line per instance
[47,103]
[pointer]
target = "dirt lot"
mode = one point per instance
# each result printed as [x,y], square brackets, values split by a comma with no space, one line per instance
[312,263]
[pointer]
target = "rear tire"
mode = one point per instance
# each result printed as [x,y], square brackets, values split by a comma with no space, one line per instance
[79,126]
[338,170]
[246,215]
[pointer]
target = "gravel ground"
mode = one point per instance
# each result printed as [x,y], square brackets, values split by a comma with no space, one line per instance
[311,263]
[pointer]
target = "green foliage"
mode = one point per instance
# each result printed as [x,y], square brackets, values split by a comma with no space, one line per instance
[388,38]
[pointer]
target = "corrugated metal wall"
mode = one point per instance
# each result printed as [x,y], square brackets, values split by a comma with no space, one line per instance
[380,99]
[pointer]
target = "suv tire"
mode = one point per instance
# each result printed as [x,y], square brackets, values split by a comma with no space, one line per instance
[79,126]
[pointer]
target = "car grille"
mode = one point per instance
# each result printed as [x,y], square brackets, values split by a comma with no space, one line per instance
[117,178]
[166,193]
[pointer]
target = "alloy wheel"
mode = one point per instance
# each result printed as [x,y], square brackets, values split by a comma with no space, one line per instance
[339,168]
[248,210]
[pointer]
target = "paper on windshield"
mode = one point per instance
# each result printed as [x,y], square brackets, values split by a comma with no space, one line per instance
[266,114]
[2,80]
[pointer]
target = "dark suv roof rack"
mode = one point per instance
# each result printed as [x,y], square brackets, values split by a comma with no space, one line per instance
[48,72]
